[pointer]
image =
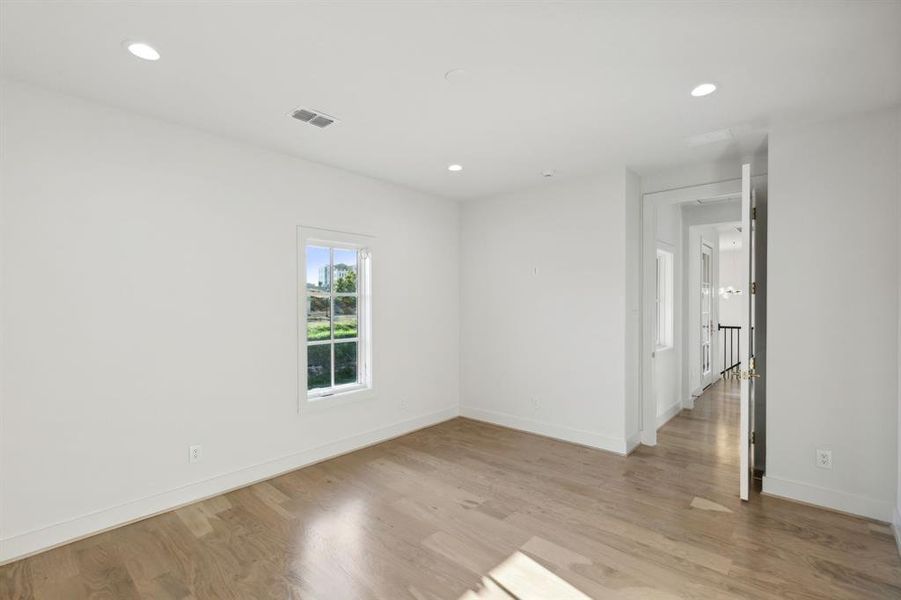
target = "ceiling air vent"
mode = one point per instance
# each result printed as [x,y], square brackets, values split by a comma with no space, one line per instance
[314,117]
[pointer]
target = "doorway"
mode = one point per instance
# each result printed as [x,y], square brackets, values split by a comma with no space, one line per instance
[699,224]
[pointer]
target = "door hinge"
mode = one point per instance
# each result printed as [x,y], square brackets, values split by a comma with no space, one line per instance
[754,212]
[753,287]
[753,437]
[748,374]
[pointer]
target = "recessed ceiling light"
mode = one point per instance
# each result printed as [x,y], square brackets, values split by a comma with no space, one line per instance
[548,173]
[455,168]
[703,90]
[142,50]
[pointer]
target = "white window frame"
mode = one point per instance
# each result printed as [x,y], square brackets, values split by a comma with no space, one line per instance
[664,300]
[362,244]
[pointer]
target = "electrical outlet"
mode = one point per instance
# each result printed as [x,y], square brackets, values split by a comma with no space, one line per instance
[824,458]
[195,453]
[536,403]
[402,404]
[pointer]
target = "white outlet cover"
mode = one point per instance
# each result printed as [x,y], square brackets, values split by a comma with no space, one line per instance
[195,453]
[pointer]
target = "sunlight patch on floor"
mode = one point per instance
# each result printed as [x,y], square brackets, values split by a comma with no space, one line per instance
[704,504]
[521,577]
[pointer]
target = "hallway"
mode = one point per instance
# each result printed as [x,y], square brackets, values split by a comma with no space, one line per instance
[780,545]
[705,439]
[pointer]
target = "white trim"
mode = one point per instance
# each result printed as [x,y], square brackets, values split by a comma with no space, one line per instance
[728,189]
[864,506]
[668,414]
[351,396]
[689,404]
[646,352]
[38,540]
[744,344]
[317,394]
[896,527]
[633,442]
[559,432]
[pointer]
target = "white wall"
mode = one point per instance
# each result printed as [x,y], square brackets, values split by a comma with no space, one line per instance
[543,350]
[833,363]
[149,303]
[897,515]
[667,361]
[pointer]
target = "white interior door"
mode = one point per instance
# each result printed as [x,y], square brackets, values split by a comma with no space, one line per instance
[706,313]
[746,368]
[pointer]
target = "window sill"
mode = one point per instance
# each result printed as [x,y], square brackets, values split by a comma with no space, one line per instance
[345,396]
[663,348]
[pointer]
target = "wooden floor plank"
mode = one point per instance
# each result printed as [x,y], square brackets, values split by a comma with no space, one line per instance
[472,510]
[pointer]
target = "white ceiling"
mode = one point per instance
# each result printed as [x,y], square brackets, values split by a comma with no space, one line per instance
[565,86]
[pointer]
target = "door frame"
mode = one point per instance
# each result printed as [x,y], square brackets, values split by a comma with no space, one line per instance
[720,190]
[746,343]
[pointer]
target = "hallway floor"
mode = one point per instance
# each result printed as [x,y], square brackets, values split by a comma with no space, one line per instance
[470,510]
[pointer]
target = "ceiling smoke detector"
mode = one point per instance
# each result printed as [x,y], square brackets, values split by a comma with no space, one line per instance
[314,117]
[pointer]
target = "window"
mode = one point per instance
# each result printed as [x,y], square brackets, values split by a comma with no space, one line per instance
[335,313]
[664,299]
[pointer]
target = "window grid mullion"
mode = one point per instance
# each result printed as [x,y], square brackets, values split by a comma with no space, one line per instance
[324,342]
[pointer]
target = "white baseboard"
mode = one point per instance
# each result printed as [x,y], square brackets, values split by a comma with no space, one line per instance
[896,527]
[828,498]
[689,404]
[560,432]
[31,542]
[633,442]
[669,413]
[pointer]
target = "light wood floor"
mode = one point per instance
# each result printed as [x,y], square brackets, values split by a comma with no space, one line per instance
[469,510]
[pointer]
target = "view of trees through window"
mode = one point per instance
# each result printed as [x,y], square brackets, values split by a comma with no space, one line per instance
[332,298]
